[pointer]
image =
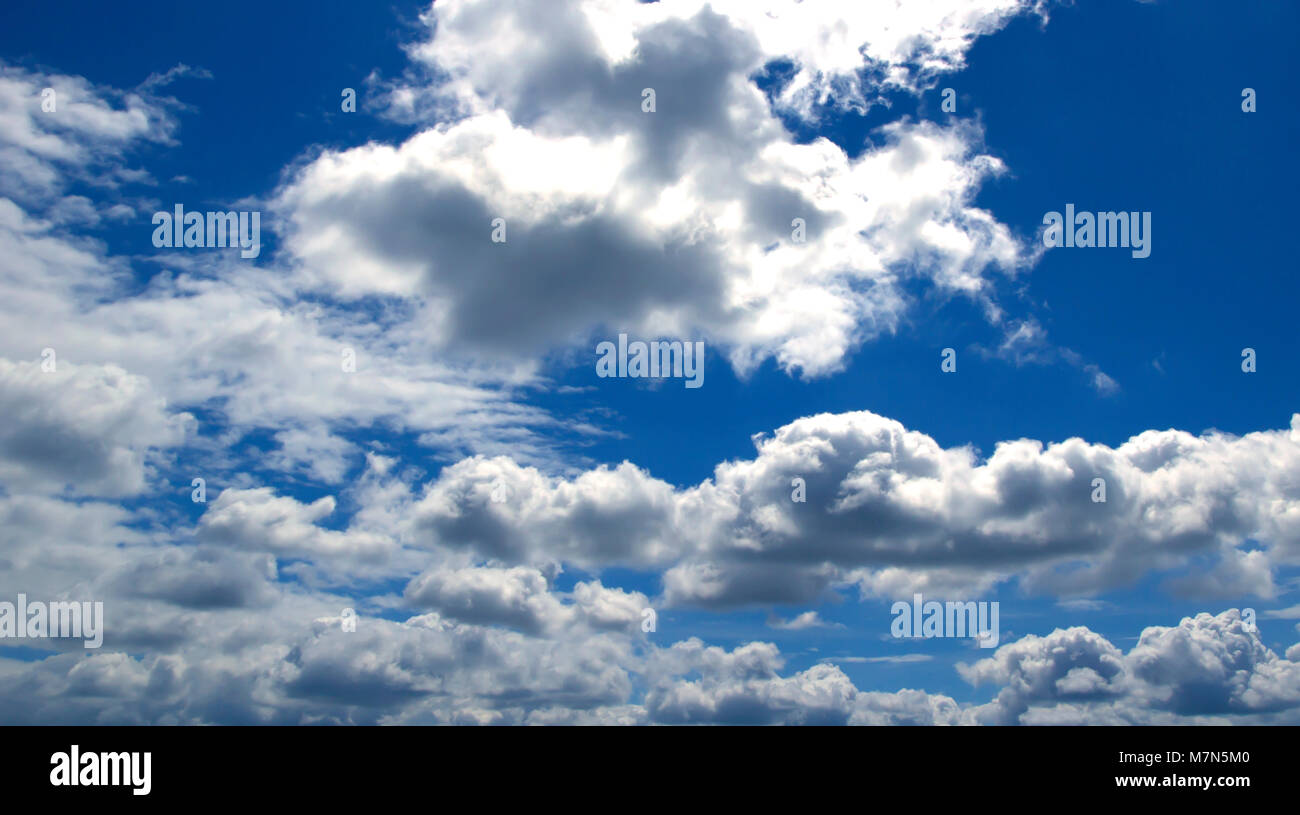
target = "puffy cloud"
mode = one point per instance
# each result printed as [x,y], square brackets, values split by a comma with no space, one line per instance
[85,428]
[1069,665]
[603,516]
[50,547]
[451,673]
[517,598]
[671,223]
[743,687]
[430,669]
[893,512]
[324,456]
[258,520]
[907,708]
[1213,664]
[198,578]
[521,598]
[831,48]
[610,609]
[1205,668]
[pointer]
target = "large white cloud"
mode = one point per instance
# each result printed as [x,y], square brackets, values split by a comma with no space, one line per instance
[839,53]
[671,223]
[892,511]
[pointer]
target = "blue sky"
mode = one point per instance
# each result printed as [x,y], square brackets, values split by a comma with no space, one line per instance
[477,368]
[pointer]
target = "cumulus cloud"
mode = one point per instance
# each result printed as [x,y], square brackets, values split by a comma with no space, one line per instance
[503,647]
[258,520]
[1207,669]
[517,598]
[85,428]
[743,687]
[51,547]
[893,512]
[522,598]
[604,516]
[679,222]
[1206,666]
[834,50]
[198,578]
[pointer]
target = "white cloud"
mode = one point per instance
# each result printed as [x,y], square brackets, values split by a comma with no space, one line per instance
[84,428]
[522,598]
[258,520]
[801,622]
[1205,666]
[672,223]
[86,136]
[890,510]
